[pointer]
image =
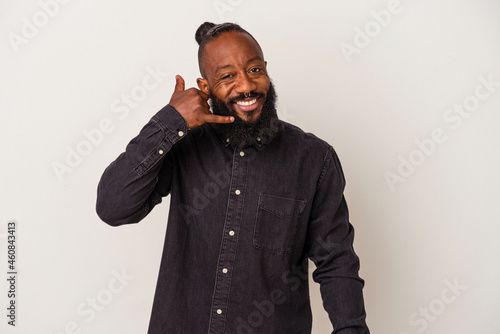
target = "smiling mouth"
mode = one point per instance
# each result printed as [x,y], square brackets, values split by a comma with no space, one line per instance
[248,108]
[246,103]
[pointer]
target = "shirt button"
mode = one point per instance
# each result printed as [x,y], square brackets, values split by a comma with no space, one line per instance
[231,233]
[180,133]
[242,153]
[237,192]
[258,138]
[227,140]
[219,311]
[224,270]
[160,152]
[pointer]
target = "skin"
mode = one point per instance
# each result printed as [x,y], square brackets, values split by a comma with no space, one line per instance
[233,64]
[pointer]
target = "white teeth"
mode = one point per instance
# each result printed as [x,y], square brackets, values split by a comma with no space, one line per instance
[245,103]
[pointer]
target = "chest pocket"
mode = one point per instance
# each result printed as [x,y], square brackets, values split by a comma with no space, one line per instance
[276,223]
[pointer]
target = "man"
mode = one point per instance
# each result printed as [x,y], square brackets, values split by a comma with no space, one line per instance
[252,198]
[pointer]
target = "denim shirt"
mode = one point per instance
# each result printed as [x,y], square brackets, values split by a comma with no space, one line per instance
[241,226]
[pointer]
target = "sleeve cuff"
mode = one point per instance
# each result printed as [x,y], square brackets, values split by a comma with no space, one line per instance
[169,119]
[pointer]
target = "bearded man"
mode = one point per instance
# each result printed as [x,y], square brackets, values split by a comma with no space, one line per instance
[252,199]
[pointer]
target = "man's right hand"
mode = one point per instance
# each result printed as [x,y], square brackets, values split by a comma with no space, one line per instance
[193,105]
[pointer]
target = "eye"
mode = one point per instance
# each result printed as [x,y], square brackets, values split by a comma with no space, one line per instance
[226,76]
[255,69]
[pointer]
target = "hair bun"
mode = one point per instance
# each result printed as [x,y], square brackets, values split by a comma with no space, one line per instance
[202,31]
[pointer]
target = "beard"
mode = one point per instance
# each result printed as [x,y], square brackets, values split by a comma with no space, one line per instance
[243,133]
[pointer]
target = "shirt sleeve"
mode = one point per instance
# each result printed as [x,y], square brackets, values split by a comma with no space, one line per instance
[330,247]
[138,179]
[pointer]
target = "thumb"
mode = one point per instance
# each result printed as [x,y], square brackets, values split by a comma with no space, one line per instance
[179,84]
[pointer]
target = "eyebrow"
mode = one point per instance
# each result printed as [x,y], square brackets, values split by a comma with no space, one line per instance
[248,61]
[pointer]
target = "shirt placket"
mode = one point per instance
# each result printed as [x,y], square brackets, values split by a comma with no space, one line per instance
[229,243]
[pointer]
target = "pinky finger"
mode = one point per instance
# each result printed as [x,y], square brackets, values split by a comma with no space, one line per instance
[219,119]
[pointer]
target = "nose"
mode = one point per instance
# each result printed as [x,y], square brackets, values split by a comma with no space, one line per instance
[244,84]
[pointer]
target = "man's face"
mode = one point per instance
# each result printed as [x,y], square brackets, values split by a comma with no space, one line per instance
[235,72]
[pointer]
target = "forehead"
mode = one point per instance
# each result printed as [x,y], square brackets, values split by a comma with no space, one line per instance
[230,49]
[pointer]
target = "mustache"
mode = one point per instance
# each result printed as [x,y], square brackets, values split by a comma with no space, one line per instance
[242,97]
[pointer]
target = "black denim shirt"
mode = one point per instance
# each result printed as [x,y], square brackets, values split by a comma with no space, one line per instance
[241,227]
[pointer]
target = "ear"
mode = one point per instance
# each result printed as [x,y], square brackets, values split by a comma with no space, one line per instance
[203,85]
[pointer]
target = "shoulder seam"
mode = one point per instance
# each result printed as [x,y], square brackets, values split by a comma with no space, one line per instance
[326,164]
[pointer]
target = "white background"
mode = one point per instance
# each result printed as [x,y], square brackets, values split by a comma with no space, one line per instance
[437,225]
